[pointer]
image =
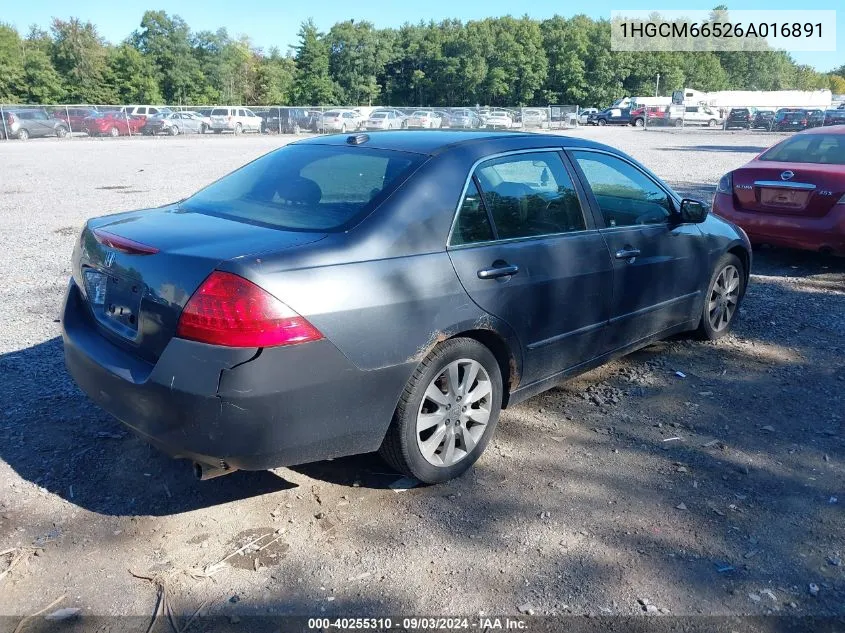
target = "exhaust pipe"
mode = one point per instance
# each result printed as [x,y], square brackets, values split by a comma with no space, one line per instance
[204,472]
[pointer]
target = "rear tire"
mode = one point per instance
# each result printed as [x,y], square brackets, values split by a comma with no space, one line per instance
[114,132]
[639,122]
[343,128]
[173,131]
[455,442]
[61,131]
[723,298]
[602,122]
[238,129]
[711,123]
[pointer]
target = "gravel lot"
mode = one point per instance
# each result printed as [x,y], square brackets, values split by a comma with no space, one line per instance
[720,492]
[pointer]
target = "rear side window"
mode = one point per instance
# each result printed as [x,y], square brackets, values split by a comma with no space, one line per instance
[530,195]
[307,187]
[625,195]
[473,225]
[828,149]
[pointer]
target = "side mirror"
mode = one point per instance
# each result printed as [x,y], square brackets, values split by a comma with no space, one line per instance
[693,211]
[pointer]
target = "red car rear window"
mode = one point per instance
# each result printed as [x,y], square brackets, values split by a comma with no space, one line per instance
[824,149]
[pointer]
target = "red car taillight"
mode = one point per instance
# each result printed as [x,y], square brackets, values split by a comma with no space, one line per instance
[10,118]
[232,311]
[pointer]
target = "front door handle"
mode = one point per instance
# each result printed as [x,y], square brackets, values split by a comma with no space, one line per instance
[629,252]
[505,270]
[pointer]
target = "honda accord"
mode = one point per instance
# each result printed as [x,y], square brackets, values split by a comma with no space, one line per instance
[389,291]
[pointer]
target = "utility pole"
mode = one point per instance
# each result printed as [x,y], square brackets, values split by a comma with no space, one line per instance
[657,85]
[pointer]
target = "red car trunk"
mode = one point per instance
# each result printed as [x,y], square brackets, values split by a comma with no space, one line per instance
[805,189]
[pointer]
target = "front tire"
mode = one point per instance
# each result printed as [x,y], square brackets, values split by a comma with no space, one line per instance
[602,122]
[447,413]
[238,129]
[723,297]
[23,134]
[61,131]
[114,132]
[711,123]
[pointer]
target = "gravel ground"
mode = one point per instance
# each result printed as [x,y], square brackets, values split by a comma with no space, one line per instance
[719,491]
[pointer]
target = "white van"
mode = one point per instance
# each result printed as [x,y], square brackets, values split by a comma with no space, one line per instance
[234,119]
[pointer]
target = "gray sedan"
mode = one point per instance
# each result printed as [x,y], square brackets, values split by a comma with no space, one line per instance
[174,123]
[389,291]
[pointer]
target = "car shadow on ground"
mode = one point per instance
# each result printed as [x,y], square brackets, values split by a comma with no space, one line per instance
[53,436]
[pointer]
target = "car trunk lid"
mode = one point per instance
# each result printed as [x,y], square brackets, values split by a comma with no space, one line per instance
[807,189]
[138,269]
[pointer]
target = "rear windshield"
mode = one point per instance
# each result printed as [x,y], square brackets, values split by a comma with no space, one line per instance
[826,149]
[220,112]
[307,187]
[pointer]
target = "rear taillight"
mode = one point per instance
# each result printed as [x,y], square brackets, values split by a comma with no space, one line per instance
[123,244]
[803,121]
[841,200]
[725,183]
[232,311]
[11,118]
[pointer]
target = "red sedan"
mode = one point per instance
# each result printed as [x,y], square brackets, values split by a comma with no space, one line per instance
[113,124]
[793,194]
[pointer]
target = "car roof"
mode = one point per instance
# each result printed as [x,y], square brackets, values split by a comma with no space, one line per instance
[437,141]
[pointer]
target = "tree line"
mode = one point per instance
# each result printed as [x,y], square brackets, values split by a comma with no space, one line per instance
[495,61]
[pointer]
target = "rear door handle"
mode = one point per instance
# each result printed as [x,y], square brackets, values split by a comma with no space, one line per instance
[499,271]
[628,252]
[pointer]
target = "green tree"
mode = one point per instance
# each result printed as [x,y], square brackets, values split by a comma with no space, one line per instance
[166,41]
[312,84]
[11,64]
[133,76]
[80,56]
[274,79]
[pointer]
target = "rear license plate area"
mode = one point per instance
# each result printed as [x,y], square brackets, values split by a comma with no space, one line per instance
[123,302]
[784,198]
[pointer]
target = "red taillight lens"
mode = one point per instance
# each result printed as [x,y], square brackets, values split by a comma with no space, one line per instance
[123,244]
[231,311]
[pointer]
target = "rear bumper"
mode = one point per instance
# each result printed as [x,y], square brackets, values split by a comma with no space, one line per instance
[789,231]
[253,409]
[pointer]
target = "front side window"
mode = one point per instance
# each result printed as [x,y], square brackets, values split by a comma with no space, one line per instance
[530,195]
[625,195]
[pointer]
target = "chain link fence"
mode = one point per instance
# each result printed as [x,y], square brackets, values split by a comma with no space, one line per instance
[764,119]
[78,120]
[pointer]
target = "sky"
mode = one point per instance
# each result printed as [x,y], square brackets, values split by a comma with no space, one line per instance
[271,23]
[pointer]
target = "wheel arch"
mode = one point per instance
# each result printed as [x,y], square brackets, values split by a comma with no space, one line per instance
[500,348]
[744,256]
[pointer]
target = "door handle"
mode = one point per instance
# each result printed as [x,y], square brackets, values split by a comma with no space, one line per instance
[505,270]
[629,252]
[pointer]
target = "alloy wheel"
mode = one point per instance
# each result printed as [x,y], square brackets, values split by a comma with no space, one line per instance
[724,298]
[454,412]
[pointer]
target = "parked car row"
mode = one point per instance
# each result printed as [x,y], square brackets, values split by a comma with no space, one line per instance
[784,119]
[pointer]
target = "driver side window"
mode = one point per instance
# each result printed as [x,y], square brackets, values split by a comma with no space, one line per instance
[625,195]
